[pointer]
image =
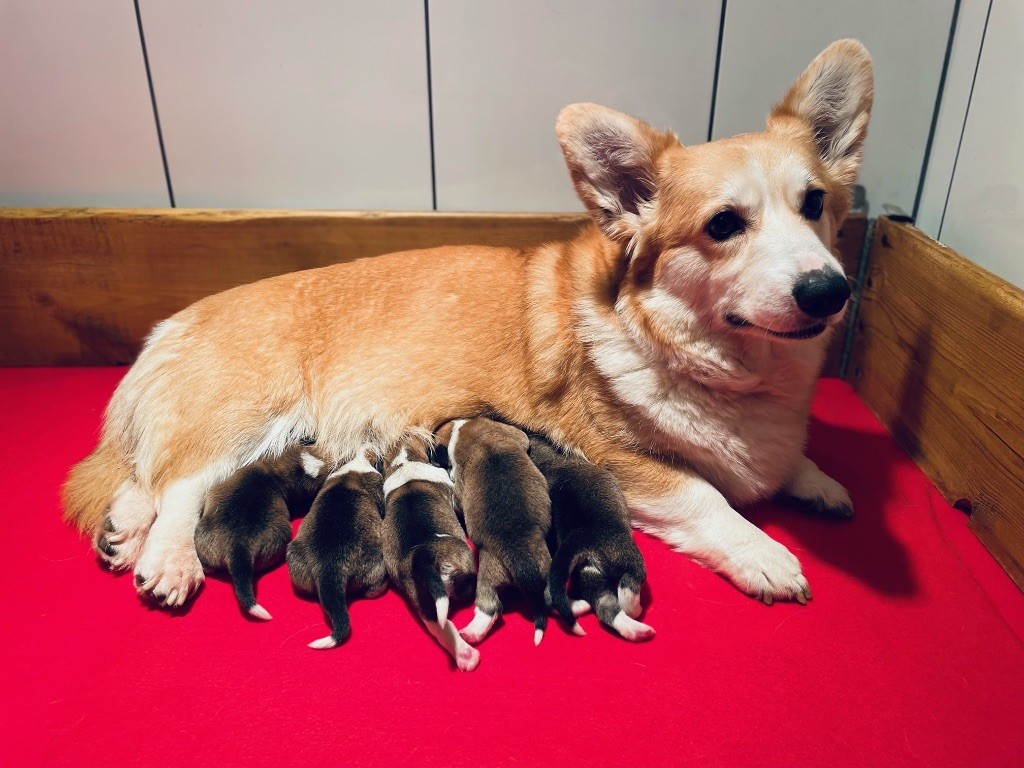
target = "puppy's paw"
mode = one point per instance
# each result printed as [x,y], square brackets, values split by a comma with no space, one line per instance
[765,569]
[812,491]
[467,658]
[168,575]
[631,629]
[120,538]
[479,627]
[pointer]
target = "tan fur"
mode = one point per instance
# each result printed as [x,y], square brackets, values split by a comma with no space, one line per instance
[599,343]
[88,491]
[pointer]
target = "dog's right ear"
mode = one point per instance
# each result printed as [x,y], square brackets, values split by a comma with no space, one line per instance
[612,159]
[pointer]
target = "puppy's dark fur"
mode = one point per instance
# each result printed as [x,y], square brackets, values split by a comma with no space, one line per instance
[245,525]
[592,541]
[504,499]
[338,549]
[425,548]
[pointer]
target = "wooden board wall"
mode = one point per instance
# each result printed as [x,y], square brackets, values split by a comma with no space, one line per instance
[939,355]
[85,286]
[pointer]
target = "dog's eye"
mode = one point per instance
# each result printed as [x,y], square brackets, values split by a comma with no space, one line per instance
[814,204]
[724,225]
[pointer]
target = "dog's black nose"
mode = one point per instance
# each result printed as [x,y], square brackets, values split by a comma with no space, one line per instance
[821,292]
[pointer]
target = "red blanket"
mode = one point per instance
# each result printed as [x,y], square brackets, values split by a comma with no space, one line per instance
[910,653]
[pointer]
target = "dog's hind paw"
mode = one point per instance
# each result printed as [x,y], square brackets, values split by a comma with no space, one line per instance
[812,491]
[120,538]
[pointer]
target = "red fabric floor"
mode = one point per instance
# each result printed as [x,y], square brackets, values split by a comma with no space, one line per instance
[910,653]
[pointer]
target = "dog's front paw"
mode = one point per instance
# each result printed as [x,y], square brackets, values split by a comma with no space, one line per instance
[811,490]
[120,538]
[768,571]
[168,575]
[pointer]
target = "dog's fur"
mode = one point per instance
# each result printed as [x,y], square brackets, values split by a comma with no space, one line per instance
[504,500]
[338,549]
[644,343]
[246,520]
[592,542]
[425,547]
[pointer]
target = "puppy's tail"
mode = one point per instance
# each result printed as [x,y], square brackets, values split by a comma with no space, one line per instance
[91,486]
[431,591]
[562,566]
[331,592]
[528,574]
[240,567]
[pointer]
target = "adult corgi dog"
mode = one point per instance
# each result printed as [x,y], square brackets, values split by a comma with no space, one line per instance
[675,341]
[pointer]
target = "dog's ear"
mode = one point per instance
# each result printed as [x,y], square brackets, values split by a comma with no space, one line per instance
[612,160]
[833,97]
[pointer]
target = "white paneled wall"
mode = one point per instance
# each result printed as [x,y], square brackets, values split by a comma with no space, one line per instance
[76,122]
[501,72]
[309,104]
[768,43]
[341,104]
[984,218]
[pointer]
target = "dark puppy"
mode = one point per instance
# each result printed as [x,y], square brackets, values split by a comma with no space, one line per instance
[245,525]
[593,543]
[425,546]
[504,499]
[338,549]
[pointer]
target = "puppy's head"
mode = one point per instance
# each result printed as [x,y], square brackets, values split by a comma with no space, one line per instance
[734,236]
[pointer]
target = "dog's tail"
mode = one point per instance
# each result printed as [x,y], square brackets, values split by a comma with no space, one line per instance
[332,593]
[562,566]
[431,591]
[91,486]
[240,566]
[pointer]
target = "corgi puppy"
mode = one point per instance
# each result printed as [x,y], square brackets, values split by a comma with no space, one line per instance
[504,500]
[593,543]
[425,547]
[675,341]
[338,548]
[246,523]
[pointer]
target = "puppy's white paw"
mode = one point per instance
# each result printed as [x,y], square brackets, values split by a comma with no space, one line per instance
[168,575]
[467,658]
[631,629]
[120,538]
[765,569]
[815,492]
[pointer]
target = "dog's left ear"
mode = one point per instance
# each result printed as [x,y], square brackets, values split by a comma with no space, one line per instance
[612,158]
[833,96]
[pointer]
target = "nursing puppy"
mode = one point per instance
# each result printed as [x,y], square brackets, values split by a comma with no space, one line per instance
[504,500]
[246,523]
[338,548]
[425,547]
[594,545]
[675,341]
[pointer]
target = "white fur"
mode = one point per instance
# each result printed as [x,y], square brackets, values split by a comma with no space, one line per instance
[415,470]
[132,513]
[698,520]
[479,627]
[631,629]
[441,606]
[452,443]
[811,484]
[311,465]
[466,656]
[630,602]
[169,565]
[361,463]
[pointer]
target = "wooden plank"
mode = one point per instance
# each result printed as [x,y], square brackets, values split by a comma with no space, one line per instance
[939,356]
[849,248]
[84,286]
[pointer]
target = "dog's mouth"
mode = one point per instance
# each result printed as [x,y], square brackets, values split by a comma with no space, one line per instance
[809,332]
